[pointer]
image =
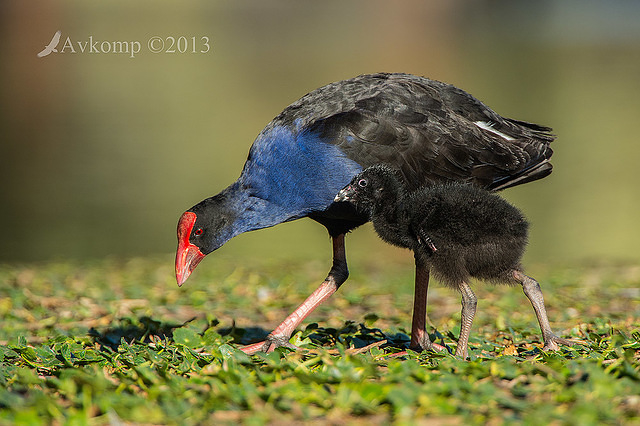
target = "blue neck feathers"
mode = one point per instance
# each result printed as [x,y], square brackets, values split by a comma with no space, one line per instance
[288,175]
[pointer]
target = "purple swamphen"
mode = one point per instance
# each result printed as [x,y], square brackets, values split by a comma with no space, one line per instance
[430,131]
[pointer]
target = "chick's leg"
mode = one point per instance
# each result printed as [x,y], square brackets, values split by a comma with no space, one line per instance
[469,303]
[533,292]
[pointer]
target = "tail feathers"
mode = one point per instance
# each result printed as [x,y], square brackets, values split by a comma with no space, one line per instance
[537,171]
[533,140]
[541,133]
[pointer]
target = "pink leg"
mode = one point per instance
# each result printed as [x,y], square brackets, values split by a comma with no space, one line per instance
[419,336]
[338,275]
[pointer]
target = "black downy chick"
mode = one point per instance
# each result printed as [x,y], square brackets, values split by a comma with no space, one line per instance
[458,231]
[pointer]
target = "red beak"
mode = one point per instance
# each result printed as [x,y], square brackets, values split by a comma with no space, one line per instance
[188,255]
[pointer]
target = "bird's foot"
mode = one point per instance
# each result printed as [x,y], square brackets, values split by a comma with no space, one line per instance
[425,344]
[462,352]
[551,343]
[269,345]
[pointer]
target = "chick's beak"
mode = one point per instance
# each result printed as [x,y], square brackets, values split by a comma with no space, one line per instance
[345,194]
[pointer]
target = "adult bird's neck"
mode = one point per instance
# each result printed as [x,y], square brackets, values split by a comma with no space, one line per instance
[288,175]
[243,210]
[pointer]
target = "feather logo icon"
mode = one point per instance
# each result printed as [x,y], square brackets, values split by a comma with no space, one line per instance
[51,47]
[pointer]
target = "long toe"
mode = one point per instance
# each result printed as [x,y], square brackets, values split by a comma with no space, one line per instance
[252,348]
[427,345]
[274,342]
[463,353]
[553,342]
[269,345]
[422,347]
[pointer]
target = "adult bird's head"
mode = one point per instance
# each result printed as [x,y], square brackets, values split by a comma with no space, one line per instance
[201,230]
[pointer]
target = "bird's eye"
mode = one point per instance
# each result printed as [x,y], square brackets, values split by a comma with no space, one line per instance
[198,232]
[362,183]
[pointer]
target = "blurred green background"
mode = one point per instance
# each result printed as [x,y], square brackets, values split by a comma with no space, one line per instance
[100,153]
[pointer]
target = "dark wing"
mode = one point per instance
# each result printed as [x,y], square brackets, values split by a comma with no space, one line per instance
[431,131]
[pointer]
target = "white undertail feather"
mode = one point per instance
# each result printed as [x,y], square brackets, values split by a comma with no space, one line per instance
[488,126]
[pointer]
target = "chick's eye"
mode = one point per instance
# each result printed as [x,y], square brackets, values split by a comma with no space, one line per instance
[362,183]
[198,232]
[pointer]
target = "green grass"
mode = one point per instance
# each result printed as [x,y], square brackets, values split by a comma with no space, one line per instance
[118,341]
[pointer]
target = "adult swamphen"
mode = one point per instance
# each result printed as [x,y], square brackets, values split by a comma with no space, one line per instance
[458,231]
[430,131]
